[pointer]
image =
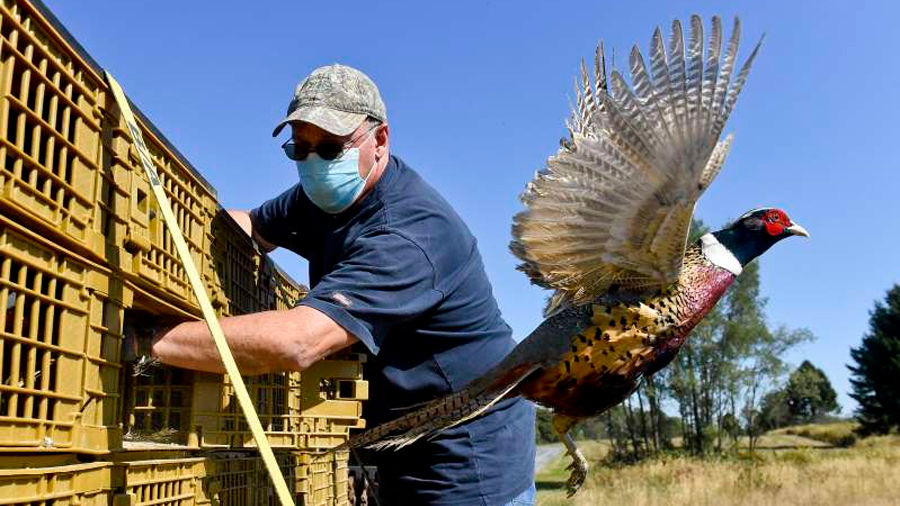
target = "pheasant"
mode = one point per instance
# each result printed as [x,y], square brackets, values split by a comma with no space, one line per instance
[605,226]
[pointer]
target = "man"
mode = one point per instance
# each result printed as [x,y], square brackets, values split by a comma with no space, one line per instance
[391,265]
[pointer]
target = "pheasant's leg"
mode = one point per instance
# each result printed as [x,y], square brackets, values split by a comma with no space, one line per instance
[579,465]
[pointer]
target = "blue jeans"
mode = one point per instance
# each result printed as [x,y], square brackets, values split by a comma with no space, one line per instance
[526,498]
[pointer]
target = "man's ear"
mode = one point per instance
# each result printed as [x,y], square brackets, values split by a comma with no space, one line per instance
[382,136]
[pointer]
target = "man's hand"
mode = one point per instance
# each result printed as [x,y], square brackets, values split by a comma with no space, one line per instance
[140,331]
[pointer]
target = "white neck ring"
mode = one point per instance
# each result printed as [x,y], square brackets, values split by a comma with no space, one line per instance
[719,255]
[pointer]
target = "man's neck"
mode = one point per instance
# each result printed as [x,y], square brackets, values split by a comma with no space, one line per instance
[378,171]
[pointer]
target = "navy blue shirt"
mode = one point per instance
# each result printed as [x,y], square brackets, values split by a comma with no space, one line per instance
[401,271]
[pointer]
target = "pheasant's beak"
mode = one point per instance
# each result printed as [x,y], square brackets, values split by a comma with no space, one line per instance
[798,230]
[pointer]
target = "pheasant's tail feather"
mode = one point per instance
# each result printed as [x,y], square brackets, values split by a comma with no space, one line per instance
[439,415]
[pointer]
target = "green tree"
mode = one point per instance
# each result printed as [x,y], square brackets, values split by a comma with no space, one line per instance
[874,376]
[617,431]
[774,412]
[809,394]
[806,397]
[544,432]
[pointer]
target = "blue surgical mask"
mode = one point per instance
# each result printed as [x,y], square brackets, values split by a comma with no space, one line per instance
[332,185]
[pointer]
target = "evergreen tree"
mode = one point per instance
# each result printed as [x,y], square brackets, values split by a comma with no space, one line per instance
[876,371]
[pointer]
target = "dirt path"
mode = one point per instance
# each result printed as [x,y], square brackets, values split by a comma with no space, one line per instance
[545,454]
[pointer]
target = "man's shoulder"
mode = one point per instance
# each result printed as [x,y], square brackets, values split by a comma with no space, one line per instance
[416,209]
[410,194]
[418,212]
[407,182]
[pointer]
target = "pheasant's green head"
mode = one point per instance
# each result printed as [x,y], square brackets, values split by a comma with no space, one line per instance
[756,231]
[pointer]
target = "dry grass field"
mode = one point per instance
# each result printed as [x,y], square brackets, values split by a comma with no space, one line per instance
[813,473]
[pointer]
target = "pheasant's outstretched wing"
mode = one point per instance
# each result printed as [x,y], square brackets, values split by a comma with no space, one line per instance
[614,205]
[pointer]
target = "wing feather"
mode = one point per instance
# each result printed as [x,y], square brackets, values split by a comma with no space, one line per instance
[659,65]
[600,68]
[725,76]
[634,111]
[735,89]
[645,91]
[711,75]
[614,204]
[716,160]
[695,78]
[678,89]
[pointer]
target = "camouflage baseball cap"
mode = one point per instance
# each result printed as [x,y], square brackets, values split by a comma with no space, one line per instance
[335,98]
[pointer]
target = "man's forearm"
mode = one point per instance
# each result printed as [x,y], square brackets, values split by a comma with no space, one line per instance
[260,342]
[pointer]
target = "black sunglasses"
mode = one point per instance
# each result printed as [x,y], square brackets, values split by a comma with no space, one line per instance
[328,150]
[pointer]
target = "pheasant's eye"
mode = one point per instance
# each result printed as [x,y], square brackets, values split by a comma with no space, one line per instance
[773,217]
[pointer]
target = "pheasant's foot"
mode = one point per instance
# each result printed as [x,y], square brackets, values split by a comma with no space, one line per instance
[579,467]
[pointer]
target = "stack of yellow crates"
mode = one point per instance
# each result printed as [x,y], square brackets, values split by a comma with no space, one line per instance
[82,248]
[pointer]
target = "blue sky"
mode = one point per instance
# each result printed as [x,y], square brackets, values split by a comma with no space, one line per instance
[477,94]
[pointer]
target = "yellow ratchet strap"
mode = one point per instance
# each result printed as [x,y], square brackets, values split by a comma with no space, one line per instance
[209,315]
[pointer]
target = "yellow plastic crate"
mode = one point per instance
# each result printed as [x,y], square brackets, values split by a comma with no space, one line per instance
[49,129]
[138,241]
[334,389]
[169,482]
[242,279]
[199,410]
[323,433]
[314,409]
[69,166]
[60,342]
[159,405]
[218,422]
[330,401]
[236,272]
[322,478]
[267,284]
[309,410]
[287,291]
[231,480]
[241,479]
[67,485]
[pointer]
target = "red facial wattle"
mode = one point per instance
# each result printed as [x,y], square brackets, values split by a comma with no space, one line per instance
[774,228]
[776,221]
